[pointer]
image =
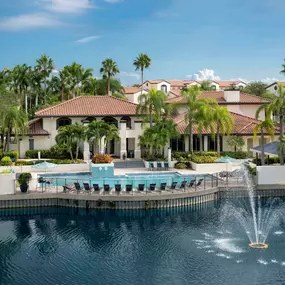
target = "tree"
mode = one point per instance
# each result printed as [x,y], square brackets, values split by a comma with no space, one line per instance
[193,104]
[15,121]
[224,123]
[45,66]
[91,86]
[266,125]
[141,63]
[96,131]
[111,133]
[158,136]
[64,78]
[79,136]
[109,69]
[236,142]
[278,107]
[151,105]
[115,86]
[207,86]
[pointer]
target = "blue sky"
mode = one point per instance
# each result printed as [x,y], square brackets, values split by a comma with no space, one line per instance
[230,39]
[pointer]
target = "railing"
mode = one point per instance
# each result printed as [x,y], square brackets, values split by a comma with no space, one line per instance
[132,185]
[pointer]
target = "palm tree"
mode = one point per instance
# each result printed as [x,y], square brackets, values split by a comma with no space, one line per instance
[193,104]
[79,136]
[65,137]
[152,105]
[278,106]
[45,66]
[15,121]
[109,69]
[53,85]
[111,133]
[20,81]
[91,86]
[64,77]
[224,123]
[266,125]
[141,63]
[96,131]
[35,79]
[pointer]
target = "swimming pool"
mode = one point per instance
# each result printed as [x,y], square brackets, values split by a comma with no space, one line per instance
[133,179]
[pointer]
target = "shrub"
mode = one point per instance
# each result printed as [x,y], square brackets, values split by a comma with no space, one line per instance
[6,161]
[24,178]
[207,153]
[102,158]
[252,170]
[66,161]
[204,159]
[236,155]
[181,156]
[272,160]
[6,171]
[155,157]
[14,155]
[180,165]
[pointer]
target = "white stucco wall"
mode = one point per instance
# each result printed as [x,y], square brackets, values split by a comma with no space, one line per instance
[271,89]
[271,175]
[7,182]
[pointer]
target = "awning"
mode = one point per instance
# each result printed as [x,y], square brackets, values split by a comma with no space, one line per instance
[269,149]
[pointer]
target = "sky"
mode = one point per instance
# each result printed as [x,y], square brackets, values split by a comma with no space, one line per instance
[222,39]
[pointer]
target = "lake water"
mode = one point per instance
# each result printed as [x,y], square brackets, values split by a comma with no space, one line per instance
[179,246]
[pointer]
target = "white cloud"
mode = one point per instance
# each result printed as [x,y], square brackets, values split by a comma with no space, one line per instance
[28,21]
[66,6]
[270,80]
[88,39]
[204,74]
[129,74]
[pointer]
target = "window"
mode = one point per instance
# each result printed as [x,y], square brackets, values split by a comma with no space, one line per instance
[88,120]
[128,121]
[61,122]
[110,121]
[164,88]
[177,144]
[275,87]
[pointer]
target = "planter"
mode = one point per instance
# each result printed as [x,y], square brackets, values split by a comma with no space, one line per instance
[24,188]
[213,167]
[102,170]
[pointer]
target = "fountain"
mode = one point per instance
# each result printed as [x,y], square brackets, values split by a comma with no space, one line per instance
[256,220]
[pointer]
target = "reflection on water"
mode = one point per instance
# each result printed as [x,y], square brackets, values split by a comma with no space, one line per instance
[178,246]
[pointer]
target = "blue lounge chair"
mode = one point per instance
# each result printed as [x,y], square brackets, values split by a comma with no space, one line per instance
[159,166]
[129,188]
[151,166]
[162,186]
[173,185]
[106,188]
[77,187]
[87,187]
[118,188]
[166,166]
[191,183]
[183,184]
[96,187]
[199,183]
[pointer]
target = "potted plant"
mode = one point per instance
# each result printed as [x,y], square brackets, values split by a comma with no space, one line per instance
[23,180]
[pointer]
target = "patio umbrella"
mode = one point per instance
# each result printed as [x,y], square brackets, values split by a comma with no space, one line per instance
[44,165]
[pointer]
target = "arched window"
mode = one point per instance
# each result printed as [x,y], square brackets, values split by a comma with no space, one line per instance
[88,120]
[128,122]
[214,87]
[110,121]
[61,122]
[164,88]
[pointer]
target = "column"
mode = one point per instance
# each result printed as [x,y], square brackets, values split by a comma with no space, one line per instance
[186,141]
[205,143]
[123,141]
[86,151]
[138,131]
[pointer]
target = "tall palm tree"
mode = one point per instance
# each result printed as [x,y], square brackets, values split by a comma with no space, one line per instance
[111,133]
[35,80]
[141,63]
[152,105]
[79,136]
[20,81]
[193,104]
[109,69]
[15,121]
[90,86]
[45,66]
[64,77]
[224,124]
[278,107]
[53,85]
[96,131]
[266,125]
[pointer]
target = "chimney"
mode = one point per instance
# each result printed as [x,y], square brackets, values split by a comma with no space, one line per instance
[232,95]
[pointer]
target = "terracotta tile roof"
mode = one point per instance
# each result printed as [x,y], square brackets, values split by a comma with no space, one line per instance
[90,106]
[177,83]
[191,81]
[243,125]
[227,83]
[131,90]
[175,92]
[219,96]
[36,127]
[156,81]
[280,82]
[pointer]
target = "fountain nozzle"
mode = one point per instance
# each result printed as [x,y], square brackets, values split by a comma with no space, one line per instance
[258,245]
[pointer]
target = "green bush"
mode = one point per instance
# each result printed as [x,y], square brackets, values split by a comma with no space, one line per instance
[55,161]
[272,160]
[236,155]
[207,153]
[181,156]
[204,159]
[6,161]
[14,155]
[155,157]
[252,170]
[180,165]
[24,178]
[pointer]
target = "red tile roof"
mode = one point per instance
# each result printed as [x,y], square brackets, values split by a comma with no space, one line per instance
[243,125]
[36,127]
[227,83]
[219,96]
[90,106]
[131,90]
[177,83]
[157,81]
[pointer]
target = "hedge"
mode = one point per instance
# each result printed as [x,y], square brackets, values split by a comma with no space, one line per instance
[6,161]
[272,160]
[55,161]
[180,165]
[14,155]
[204,159]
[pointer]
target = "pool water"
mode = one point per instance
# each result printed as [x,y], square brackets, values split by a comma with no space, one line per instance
[178,246]
[132,179]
